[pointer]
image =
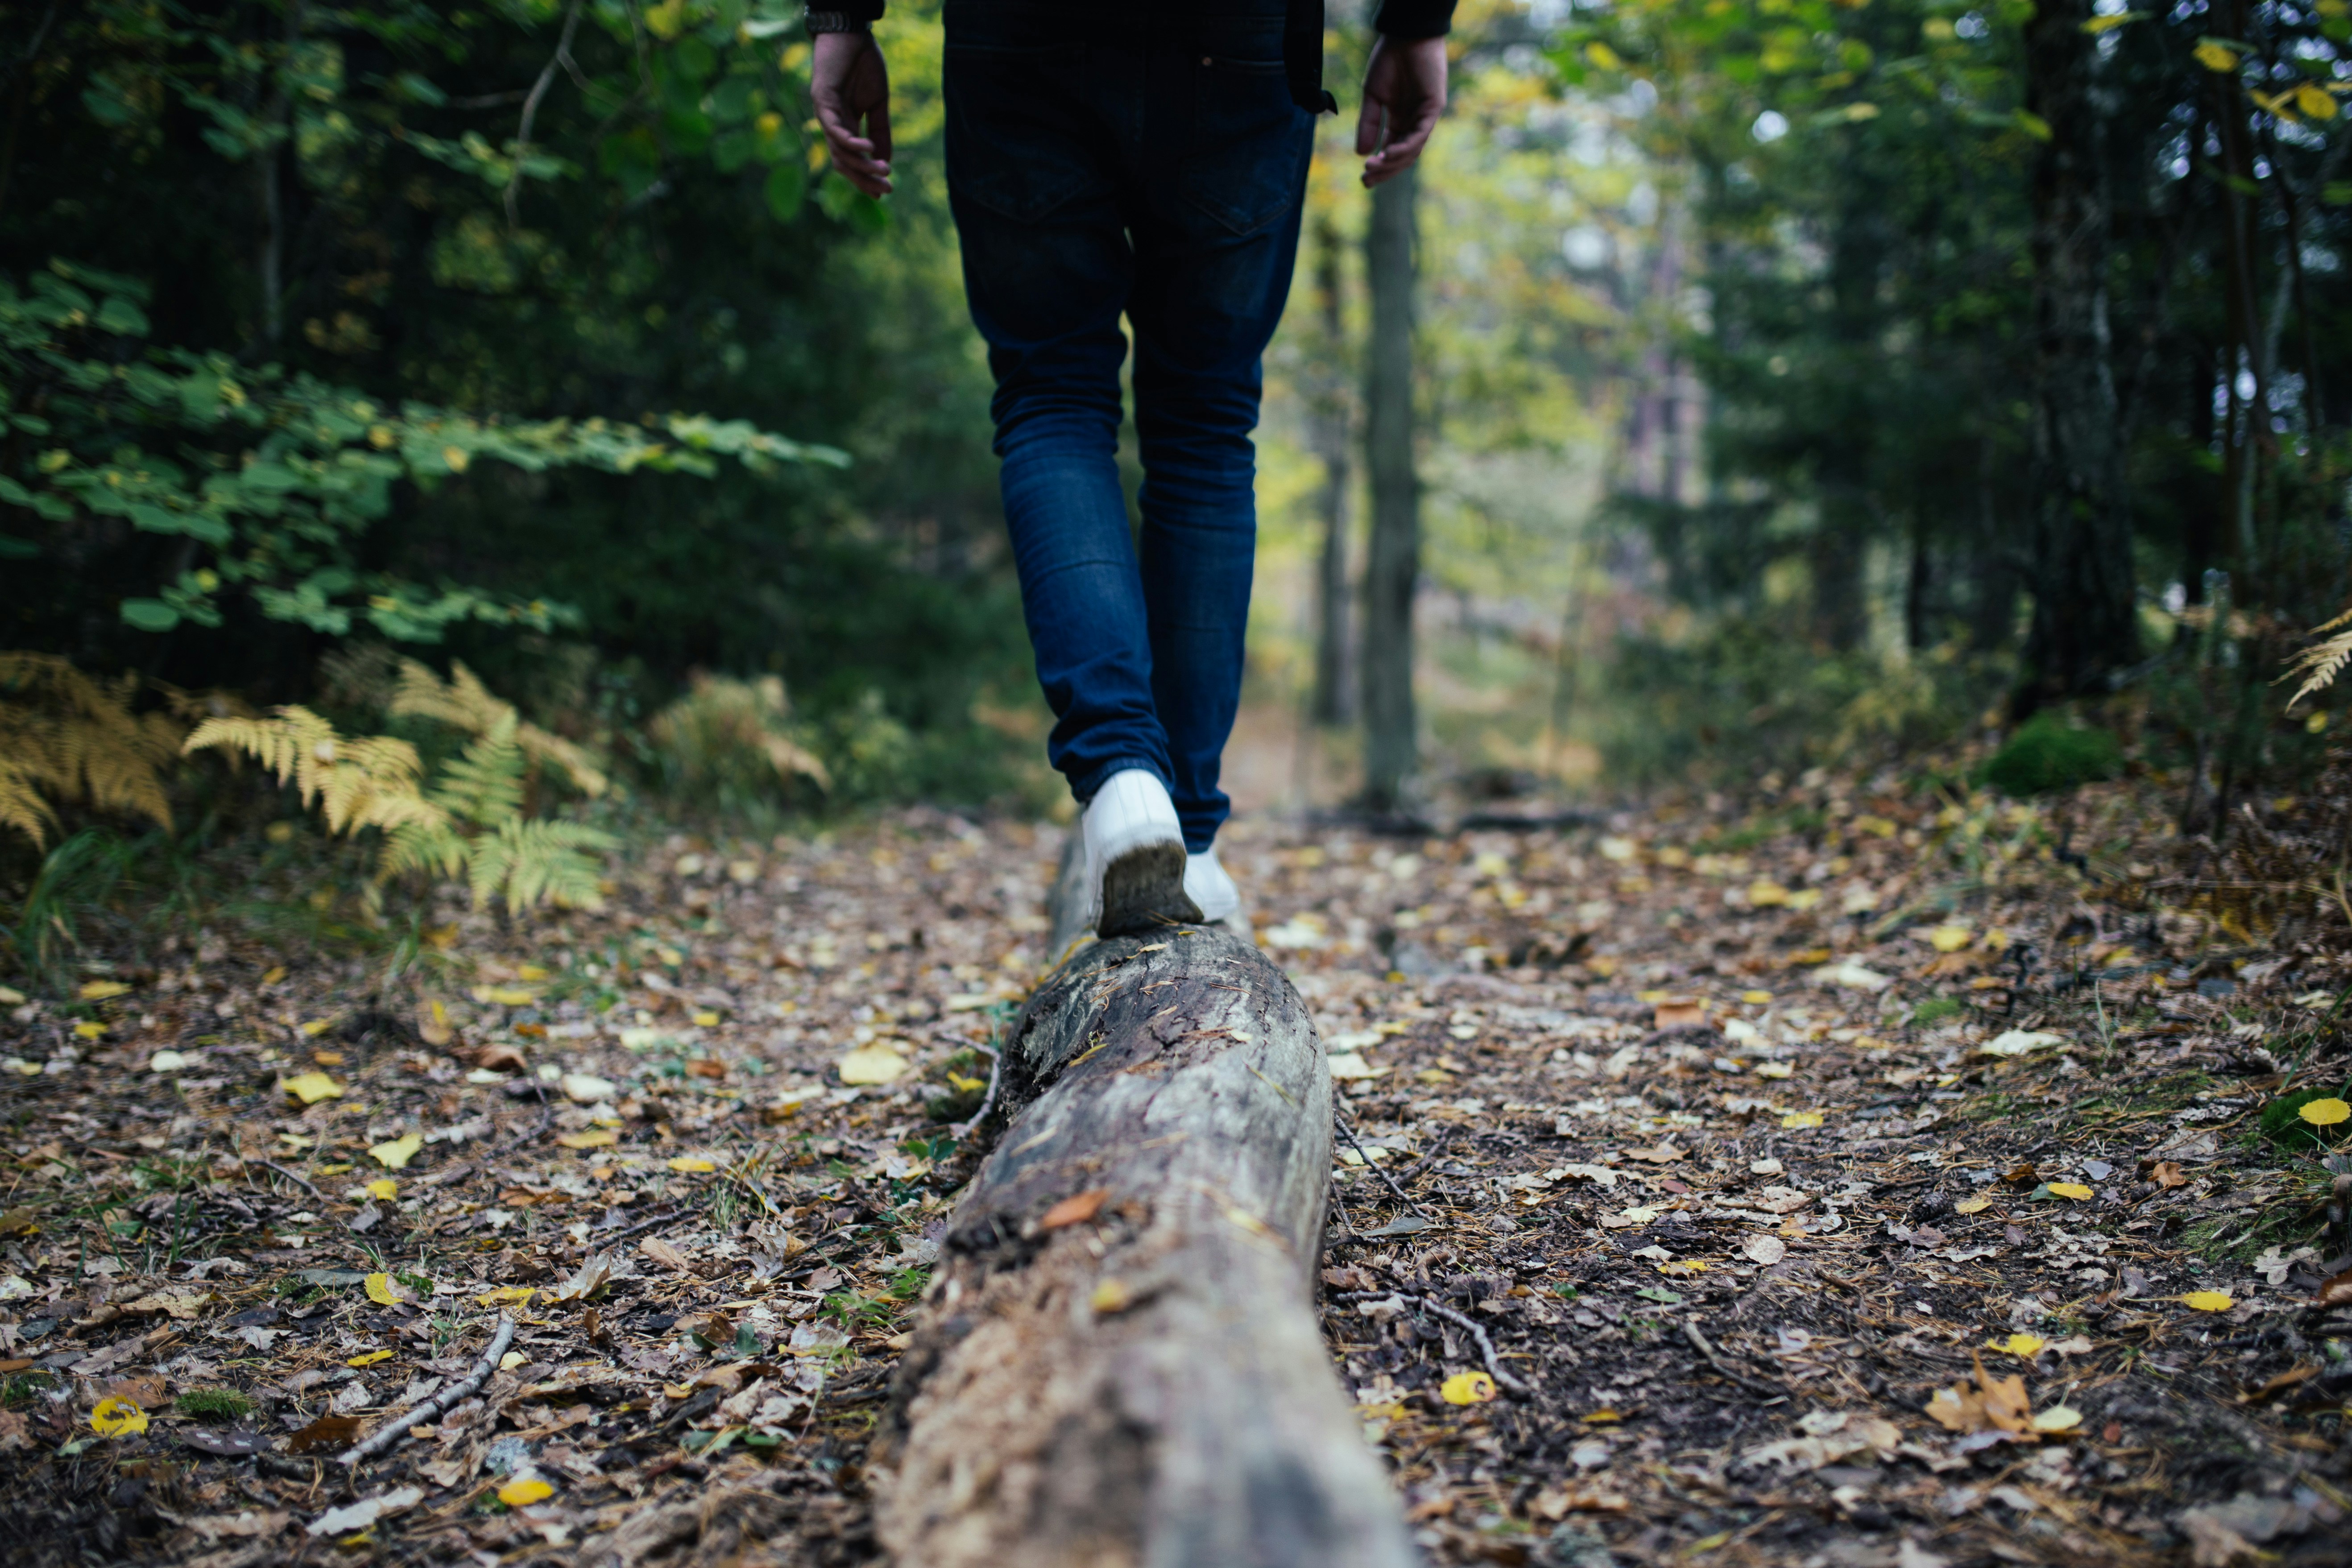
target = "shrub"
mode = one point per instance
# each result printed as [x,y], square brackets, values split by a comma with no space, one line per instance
[2048,754]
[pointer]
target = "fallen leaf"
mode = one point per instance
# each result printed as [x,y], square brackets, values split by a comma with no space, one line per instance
[662,1253]
[383,1187]
[692,1164]
[2166,1174]
[587,1088]
[113,1417]
[512,1360]
[594,1138]
[2020,1042]
[99,990]
[362,1514]
[1467,1388]
[1972,1206]
[2057,1419]
[1660,1155]
[433,1028]
[311,1088]
[167,1061]
[326,1432]
[2334,1291]
[2026,1346]
[590,1281]
[1344,1064]
[2325,1112]
[508,995]
[1111,1297]
[1765,1250]
[524,1490]
[1852,976]
[384,1291]
[1076,1209]
[395,1154]
[2075,1190]
[2207,1300]
[1799,1120]
[1991,1403]
[504,1295]
[1949,938]
[704,1018]
[1679,1014]
[368,1358]
[874,1064]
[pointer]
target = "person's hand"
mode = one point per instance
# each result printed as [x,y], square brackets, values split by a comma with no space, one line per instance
[1405,92]
[850,85]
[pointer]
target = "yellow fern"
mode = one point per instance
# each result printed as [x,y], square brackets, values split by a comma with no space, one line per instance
[727,732]
[368,782]
[65,738]
[2324,660]
[463,702]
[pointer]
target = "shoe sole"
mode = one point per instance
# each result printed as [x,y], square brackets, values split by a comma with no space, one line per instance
[1143,889]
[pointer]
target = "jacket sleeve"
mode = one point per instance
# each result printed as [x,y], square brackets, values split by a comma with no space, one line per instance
[1415,18]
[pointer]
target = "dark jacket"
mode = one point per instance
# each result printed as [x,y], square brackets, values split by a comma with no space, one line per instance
[1302,38]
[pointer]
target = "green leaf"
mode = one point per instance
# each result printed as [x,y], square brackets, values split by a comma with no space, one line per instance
[787,186]
[2033,124]
[15,549]
[149,614]
[119,315]
[1661,1295]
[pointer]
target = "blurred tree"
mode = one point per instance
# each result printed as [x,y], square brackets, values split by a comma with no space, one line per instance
[1392,569]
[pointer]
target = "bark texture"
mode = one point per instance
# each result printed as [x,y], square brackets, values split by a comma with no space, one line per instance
[1144,1385]
[1392,572]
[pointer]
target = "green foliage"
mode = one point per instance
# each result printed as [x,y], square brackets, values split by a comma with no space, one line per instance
[213,1404]
[2282,1122]
[2048,754]
[1936,1010]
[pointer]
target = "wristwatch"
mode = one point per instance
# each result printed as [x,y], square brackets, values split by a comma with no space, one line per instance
[843,19]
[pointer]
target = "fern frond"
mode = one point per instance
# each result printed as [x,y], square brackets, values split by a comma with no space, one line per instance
[483,783]
[368,782]
[22,807]
[529,863]
[463,702]
[2322,661]
[425,848]
[67,737]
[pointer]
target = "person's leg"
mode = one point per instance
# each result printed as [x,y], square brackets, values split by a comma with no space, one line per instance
[1215,249]
[1034,176]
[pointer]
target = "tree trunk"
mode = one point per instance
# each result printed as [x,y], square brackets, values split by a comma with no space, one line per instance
[1136,1376]
[1394,569]
[1328,434]
[2084,624]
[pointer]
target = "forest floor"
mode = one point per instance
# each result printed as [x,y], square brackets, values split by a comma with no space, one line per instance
[1864,1180]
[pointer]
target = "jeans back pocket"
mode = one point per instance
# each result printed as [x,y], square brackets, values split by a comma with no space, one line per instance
[1250,144]
[1019,141]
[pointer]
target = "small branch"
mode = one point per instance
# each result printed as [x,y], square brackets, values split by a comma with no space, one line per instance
[391,1431]
[1715,1360]
[1486,1346]
[1349,1133]
[961,1131]
[642,1226]
[274,1165]
[530,110]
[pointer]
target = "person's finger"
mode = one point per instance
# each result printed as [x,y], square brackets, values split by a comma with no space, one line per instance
[1367,123]
[877,128]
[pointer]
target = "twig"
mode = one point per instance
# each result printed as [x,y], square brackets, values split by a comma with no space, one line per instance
[962,1129]
[274,1165]
[1715,1360]
[645,1225]
[391,1431]
[1349,1133]
[1486,1346]
[530,110]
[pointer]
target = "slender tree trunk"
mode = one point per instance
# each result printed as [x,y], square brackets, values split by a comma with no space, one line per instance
[1394,567]
[1329,436]
[2084,624]
[1849,518]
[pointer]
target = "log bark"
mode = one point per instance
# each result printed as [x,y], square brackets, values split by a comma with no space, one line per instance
[1136,1377]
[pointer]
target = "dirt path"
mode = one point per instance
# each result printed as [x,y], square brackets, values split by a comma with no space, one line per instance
[1740,1140]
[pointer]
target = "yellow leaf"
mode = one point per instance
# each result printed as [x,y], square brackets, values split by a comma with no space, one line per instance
[510,995]
[504,1295]
[368,1358]
[1756,998]
[1950,938]
[2325,1112]
[529,972]
[383,1187]
[594,1138]
[691,1164]
[456,458]
[2069,1190]
[1773,1070]
[382,1290]
[1767,895]
[2111,21]
[2215,56]
[2025,1345]
[99,990]
[511,1360]
[1605,59]
[706,1019]
[317,1026]
[963,1085]
[1801,1119]
[1972,1206]
[872,1064]
[276,973]
[1111,1297]
[2207,1300]
[113,1417]
[311,1088]
[396,1155]
[1467,1388]
[88,1029]
[330,1170]
[524,1490]
[2314,101]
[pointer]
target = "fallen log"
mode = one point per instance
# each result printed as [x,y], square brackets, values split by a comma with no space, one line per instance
[1118,1360]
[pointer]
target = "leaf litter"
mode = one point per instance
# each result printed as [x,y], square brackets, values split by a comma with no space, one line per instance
[1741,1162]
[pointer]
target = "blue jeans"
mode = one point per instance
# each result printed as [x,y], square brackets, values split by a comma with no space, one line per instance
[1147,161]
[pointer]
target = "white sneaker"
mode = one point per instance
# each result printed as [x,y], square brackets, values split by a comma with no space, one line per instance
[1135,855]
[1207,884]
